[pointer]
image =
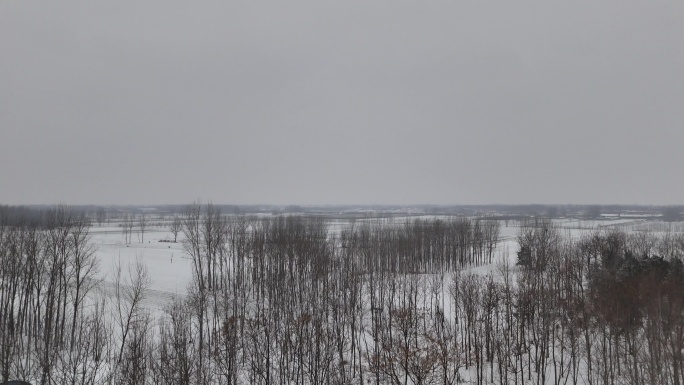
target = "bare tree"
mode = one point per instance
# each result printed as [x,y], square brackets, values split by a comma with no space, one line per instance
[84,268]
[84,362]
[127,226]
[176,227]
[101,216]
[175,354]
[199,288]
[143,221]
[128,296]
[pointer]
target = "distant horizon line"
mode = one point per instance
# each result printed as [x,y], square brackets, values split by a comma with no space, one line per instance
[365,205]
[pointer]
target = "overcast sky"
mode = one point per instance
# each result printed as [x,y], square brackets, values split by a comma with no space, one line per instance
[342,102]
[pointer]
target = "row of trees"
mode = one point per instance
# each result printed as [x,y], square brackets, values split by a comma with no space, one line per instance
[290,301]
[287,300]
[59,322]
[130,222]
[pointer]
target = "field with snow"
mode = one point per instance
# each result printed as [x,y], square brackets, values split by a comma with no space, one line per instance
[170,267]
[314,300]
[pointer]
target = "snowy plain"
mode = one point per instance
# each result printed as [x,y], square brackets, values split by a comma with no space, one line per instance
[170,268]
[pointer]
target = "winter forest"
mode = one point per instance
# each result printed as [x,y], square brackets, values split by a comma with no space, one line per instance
[305,299]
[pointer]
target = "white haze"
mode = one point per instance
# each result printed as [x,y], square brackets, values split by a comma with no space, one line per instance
[342,102]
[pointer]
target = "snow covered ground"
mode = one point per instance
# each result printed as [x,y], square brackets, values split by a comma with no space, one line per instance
[167,264]
[170,269]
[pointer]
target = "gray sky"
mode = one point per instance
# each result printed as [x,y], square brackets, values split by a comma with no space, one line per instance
[396,102]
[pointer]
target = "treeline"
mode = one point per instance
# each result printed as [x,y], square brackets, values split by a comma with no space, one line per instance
[277,300]
[22,216]
[48,271]
[288,300]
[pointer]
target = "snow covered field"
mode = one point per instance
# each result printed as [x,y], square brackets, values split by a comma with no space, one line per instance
[356,284]
[170,268]
[167,264]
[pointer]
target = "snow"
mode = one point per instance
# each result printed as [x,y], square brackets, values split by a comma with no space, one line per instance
[170,269]
[168,266]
